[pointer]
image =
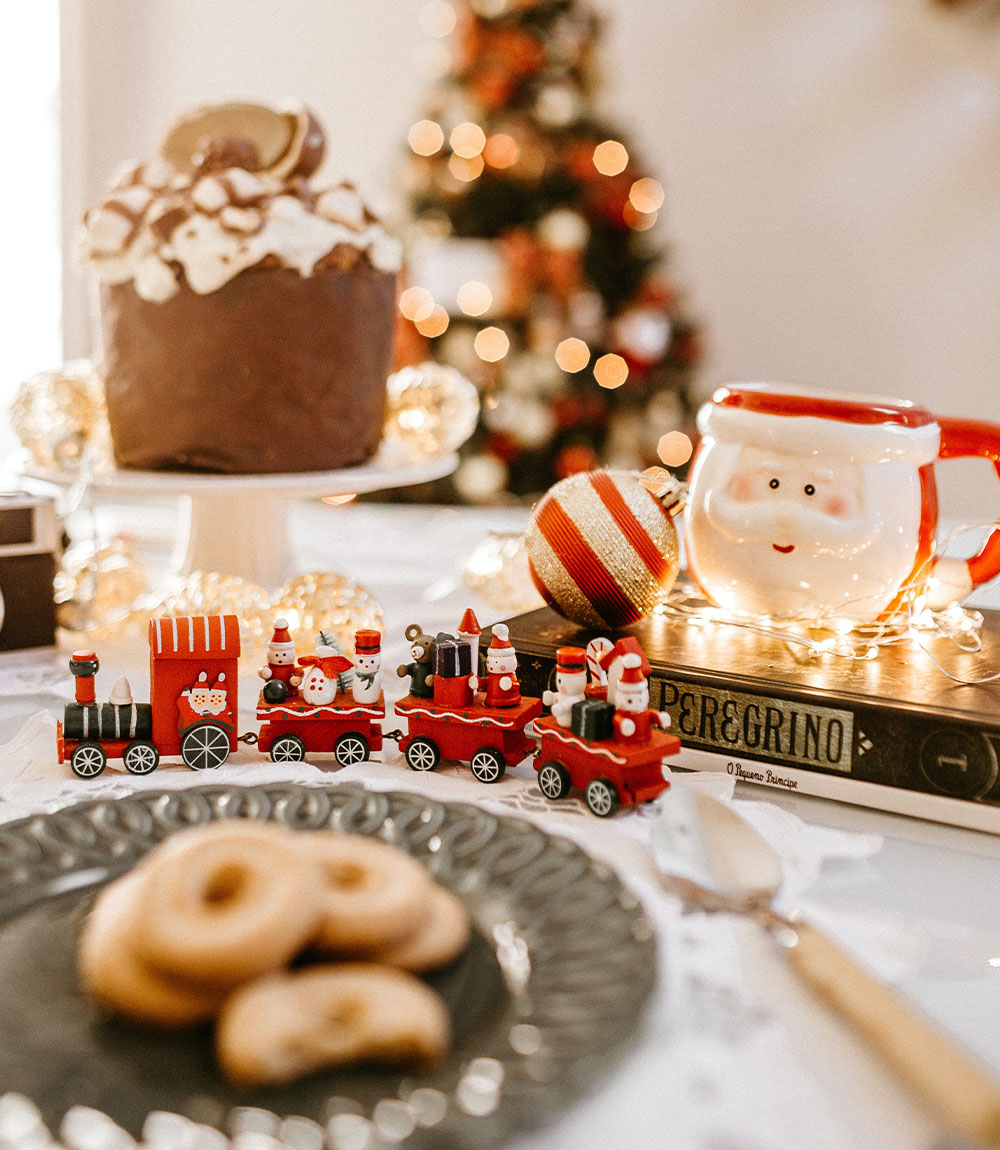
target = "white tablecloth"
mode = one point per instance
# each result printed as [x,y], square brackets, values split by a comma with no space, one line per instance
[735,1054]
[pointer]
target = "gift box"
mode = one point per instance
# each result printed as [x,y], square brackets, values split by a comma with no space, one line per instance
[452,657]
[29,542]
[591,719]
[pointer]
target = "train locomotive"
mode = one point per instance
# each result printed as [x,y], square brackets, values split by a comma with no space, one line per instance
[599,735]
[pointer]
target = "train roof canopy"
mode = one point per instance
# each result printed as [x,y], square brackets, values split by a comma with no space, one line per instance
[195,636]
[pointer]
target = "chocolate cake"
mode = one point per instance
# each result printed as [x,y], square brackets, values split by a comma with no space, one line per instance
[245,319]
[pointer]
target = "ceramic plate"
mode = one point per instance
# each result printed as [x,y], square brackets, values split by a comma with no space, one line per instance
[551,988]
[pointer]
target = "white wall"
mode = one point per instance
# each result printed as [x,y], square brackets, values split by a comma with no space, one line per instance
[832,166]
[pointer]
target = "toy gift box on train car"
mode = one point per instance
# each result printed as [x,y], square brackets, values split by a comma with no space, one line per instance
[193,667]
[29,541]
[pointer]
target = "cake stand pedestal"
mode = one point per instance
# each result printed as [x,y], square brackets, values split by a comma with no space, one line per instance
[238,524]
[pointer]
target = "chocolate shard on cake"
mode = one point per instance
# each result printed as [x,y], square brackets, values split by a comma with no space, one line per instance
[245,318]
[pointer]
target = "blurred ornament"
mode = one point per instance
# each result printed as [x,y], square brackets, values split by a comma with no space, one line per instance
[498,571]
[642,335]
[576,458]
[99,586]
[558,105]
[480,478]
[432,409]
[328,602]
[602,549]
[213,593]
[526,420]
[60,418]
[563,229]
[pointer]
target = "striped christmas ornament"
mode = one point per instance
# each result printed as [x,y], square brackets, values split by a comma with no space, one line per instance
[602,548]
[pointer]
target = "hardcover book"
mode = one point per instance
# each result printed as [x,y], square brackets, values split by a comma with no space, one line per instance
[915,730]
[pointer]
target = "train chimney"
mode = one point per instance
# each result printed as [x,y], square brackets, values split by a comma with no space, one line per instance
[84,665]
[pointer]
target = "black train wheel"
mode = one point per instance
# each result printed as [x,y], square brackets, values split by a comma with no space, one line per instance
[205,746]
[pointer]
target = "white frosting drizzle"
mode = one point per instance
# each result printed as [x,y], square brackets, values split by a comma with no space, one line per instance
[221,236]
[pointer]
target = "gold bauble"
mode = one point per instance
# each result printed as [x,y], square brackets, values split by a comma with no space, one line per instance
[61,419]
[432,409]
[328,602]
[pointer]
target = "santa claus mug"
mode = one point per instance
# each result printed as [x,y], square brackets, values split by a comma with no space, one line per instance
[823,505]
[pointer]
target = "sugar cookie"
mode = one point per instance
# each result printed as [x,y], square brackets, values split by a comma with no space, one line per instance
[227,902]
[285,1025]
[374,894]
[440,938]
[111,973]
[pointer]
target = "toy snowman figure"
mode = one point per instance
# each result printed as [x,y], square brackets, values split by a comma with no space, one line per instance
[571,684]
[502,687]
[633,720]
[281,670]
[367,685]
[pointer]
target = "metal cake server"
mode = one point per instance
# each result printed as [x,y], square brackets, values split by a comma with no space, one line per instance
[745,874]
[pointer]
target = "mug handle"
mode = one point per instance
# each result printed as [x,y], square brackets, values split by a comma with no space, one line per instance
[964,438]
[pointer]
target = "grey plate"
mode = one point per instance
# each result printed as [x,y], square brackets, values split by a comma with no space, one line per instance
[553,985]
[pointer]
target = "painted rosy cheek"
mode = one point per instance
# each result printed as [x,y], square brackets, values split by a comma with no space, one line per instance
[740,488]
[837,506]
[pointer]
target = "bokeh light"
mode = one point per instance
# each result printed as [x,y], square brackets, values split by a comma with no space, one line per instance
[426,137]
[674,448]
[416,303]
[572,354]
[464,169]
[646,195]
[636,220]
[437,18]
[434,324]
[474,298]
[467,140]
[611,371]
[501,150]
[610,158]
[492,344]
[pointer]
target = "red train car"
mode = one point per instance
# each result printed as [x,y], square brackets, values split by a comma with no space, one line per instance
[348,730]
[610,772]
[489,739]
[193,676]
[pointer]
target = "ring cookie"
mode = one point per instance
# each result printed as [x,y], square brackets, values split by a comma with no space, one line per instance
[286,1025]
[113,975]
[440,938]
[228,902]
[374,894]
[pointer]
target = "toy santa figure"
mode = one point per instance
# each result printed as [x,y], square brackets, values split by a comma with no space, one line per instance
[502,687]
[281,676]
[571,684]
[633,720]
[367,685]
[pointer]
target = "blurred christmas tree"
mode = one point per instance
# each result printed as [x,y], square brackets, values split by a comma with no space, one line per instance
[532,267]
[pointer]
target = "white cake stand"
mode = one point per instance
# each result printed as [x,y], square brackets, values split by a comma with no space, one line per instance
[238,524]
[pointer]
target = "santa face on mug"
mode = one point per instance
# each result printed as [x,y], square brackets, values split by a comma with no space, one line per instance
[810,513]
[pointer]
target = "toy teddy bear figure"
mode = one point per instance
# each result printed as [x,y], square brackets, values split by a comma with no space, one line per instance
[571,684]
[367,685]
[281,676]
[502,687]
[633,720]
[421,670]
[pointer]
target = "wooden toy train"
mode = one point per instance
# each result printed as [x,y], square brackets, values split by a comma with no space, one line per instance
[600,734]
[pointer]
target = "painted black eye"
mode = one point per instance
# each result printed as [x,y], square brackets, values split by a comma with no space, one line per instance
[809,489]
[774,483]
